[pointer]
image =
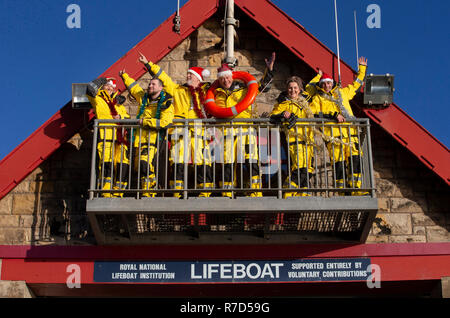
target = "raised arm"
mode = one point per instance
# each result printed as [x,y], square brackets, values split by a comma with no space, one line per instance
[353,88]
[311,87]
[100,107]
[132,86]
[264,82]
[156,72]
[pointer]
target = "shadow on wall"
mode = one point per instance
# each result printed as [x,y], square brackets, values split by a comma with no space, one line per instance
[59,215]
[413,200]
[252,45]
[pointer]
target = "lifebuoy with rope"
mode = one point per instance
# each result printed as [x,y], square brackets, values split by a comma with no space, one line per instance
[226,112]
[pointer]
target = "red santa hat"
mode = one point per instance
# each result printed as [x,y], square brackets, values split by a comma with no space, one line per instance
[224,70]
[112,82]
[326,78]
[200,73]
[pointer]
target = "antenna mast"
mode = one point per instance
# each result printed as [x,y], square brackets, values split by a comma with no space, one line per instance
[356,39]
[337,40]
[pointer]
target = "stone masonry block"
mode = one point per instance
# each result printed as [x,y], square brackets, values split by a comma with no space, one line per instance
[383,205]
[164,65]
[204,63]
[176,54]
[407,239]
[244,58]
[407,205]
[445,283]
[385,173]
[387,188]
[14,236]
[24,203]
[419,230]
[14,289]
[9,221]
[207,43]
[22,187]
[178,68]
[6,204]
[214,32]
[428,219]
[393,224]
[215,60]
[42,186]
[375,239]
[437,234]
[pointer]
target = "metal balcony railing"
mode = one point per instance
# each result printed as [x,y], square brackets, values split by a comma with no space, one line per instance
[231,177]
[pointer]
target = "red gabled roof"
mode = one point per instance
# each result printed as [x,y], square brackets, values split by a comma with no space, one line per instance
[66,122]
[393,119]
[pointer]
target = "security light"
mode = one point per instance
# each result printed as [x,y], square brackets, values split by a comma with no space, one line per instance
[379,90]
[79,98]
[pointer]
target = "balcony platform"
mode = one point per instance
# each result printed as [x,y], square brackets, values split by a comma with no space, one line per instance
[216,220]
[323,217]
[226,205]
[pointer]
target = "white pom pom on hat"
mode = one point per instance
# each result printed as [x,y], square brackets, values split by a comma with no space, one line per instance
[206,73]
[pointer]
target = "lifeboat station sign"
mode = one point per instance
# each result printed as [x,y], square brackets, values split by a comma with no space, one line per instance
[302,270]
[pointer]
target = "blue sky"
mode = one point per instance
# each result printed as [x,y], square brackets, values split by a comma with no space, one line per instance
[41,56]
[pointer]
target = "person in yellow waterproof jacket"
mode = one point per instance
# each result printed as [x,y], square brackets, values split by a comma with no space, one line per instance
[156,112]
[343,143]
[112,147]
[240,141]
[292,105]
[188,102]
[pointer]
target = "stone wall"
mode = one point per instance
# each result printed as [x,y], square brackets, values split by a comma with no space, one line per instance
[48,207]
[413,201]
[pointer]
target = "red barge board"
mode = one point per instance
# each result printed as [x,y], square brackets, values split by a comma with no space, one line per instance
[47,269]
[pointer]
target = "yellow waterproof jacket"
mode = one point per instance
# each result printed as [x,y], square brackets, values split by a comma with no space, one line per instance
[299,108]
[149,115]
[230,97]
[337,101]
[182,99]
[311,88]
[102,111]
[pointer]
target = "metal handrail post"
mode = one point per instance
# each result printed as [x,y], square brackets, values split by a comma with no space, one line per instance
[93,157]
[369,150]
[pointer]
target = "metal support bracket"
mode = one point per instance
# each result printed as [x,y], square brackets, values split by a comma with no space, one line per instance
[231,21]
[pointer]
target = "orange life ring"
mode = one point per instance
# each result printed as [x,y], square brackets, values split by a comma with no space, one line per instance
[226,112]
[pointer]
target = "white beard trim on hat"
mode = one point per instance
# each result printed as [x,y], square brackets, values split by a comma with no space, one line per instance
[205,73]
[225,73]
[326,80]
